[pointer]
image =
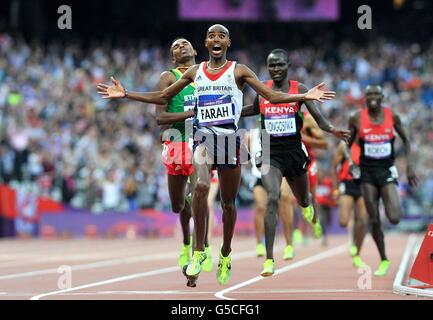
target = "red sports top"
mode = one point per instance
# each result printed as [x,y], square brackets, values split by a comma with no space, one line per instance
[283,121]
[376,140]
[324,193]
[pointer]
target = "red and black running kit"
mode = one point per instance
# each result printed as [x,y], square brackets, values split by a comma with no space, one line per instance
[283,123]
[377,149]
[348,185]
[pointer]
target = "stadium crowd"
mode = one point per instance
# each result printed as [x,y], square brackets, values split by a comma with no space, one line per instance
[59,135]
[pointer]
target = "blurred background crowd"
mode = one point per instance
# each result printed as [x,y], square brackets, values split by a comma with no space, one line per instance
[60,138]
[89,152]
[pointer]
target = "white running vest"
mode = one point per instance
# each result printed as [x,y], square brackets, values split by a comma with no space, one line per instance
[219,102]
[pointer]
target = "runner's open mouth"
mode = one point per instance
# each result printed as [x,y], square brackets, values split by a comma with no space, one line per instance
[216,49]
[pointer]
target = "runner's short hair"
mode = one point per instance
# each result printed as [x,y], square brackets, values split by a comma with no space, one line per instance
[282,52]
[174,40]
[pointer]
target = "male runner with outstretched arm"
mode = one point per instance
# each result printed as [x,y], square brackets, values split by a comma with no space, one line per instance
[177,155]
[282,121]
[218,107]
[373,127]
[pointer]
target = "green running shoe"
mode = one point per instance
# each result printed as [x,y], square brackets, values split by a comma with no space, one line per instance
[308,213]
[289,253]
[184,256]
[297,236]
[268,268]
[317,229]
[383,268]
[353,250]
[207,264]
[357,262]
[194,268]
[260,250]
[224,269]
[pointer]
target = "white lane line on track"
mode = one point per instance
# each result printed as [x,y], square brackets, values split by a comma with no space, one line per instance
[70,258]
[56,246]
[301,263]
[407,254]
[64,259]
[109,281]
[94,265]
[242,255]
[106,263]
[136,292]
[39,254]
[180,292]
[410,252]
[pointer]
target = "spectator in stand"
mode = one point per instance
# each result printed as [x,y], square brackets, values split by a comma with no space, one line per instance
[130,188]
[7,159]
[68,185]
[111,191]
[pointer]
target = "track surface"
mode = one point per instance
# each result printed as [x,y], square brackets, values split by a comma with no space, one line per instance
[147,269]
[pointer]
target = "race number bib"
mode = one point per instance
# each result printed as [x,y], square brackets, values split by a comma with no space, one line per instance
[215,111]
[377,150]
[278,126]
[189,102]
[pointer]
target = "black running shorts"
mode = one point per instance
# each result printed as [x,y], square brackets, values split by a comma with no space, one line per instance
[292,163]
[350,188]
[379,176]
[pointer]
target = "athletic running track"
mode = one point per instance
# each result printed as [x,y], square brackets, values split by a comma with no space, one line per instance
[147,269]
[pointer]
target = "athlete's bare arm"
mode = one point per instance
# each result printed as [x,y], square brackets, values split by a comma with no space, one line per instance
[354,127]
[251,109]
[244,75]
[116,90]
[410,173]
[313,128]
[323,123]
[336,160]
[162,116]
[313,135]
